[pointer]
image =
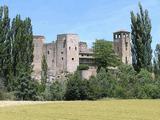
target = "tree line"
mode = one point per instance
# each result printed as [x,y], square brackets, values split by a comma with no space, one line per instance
[16,55]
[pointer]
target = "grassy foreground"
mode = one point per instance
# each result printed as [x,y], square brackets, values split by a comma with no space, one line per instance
[86,110]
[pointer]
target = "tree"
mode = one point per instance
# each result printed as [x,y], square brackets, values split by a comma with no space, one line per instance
[104,54]
[143,81]
[126,79]
[157,60]
[141,40]
[26,87]
[57,90]
[22,56]
[5,44]
[76,88]
[44,67]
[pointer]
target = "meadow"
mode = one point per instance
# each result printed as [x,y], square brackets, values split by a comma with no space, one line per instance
[84,110]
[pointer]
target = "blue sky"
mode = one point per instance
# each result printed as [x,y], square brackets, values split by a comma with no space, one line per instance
[90,19]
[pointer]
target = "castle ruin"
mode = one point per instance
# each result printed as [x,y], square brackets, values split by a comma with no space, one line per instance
[66,53]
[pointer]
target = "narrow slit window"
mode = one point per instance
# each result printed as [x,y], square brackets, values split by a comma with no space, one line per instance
[126,60]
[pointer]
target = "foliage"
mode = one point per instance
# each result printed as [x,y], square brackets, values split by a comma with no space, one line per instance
[83,67]
[141,40]
[76,88]
[126,79]
[157,61]
[26,87]
[5,43]
[104,54]
[57,90]
[44,67]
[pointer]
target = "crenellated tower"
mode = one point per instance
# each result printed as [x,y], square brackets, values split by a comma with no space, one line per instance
[122,46]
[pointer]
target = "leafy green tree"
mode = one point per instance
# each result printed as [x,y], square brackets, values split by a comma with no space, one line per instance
[141,40]
[107,83]
[144,79]
[72,88]
[83,67]
[26,87]
[22,56]
[57,90]
[76,88]
[44,67]
[104,54]
[93,89]
[126,78]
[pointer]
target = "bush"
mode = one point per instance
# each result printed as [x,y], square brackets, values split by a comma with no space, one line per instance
[7,95]
[76,88]
[83,67]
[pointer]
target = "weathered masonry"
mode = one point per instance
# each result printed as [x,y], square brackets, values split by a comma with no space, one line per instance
[64,55]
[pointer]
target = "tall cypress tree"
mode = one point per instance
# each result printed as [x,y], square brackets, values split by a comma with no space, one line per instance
[5,44]
[157,60]
[1,42]
[141,40]
[44,67]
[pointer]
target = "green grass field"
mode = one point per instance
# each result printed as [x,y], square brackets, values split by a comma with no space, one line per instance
[86,110]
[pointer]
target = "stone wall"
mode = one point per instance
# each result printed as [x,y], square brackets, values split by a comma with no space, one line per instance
[50,54]
[72,52]
[65,54]
[86,74]
[61,54]
[122,46]
[38,53]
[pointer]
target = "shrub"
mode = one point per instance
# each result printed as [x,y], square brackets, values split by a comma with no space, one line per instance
[83,67]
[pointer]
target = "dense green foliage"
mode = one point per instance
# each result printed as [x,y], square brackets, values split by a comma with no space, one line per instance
[157,61]
[104,54]
[44,67]
[141,40]
[83,67]
[16,54]
[126,84]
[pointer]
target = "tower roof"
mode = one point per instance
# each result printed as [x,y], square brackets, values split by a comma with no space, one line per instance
[38,36]
[67,34]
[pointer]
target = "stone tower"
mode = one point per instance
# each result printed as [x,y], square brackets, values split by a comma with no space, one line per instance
[122,46]
[49,51]
[38,42]
[67,53]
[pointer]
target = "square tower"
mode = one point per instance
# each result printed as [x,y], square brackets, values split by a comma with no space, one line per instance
[38,42]
[122,46]
[67,53]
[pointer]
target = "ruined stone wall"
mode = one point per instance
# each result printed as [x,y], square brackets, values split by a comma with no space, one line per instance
[126,51]
[64,55]
[67,53]
[122,46]
[72,51]
[86,74]
[82,46]
[61,54]
[49,51]
[38,52]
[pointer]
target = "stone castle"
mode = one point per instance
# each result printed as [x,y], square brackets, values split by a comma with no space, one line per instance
[66,53]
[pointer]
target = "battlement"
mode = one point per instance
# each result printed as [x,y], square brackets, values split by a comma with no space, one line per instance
[38,37]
